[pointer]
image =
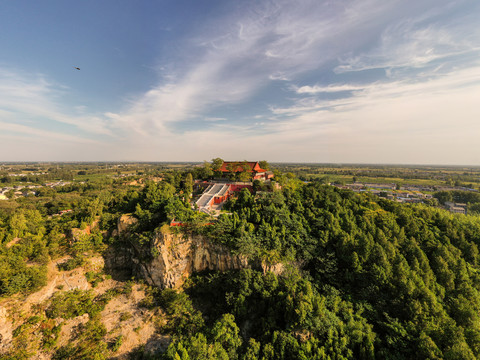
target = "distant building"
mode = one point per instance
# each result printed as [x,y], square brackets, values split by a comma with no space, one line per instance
[457,208]
[381,186]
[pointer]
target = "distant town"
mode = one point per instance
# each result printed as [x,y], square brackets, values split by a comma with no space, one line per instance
[229,177]
[408,193]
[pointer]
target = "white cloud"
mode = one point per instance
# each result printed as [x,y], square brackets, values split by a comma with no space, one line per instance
[429,122]
[413,43]
[326,89]
[28,132]
[398,117]
[279,76]
[29,97]
[270,41]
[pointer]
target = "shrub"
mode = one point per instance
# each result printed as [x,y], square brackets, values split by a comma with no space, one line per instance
[115,345]
[93,278]
[70,304]
[71,263]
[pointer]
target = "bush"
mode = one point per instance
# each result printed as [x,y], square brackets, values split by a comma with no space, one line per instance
[25,279]
[125,316]
[70,304]
[71,263]
[94,278]
[90,344]
[50,334]
[115,345]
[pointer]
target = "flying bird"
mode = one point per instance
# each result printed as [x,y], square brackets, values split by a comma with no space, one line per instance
[76,68]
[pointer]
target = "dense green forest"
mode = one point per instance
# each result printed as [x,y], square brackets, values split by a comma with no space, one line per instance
[376,280]
[362,278]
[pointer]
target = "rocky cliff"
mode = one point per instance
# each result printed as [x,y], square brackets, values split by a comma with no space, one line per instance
[179,256]
[176,256]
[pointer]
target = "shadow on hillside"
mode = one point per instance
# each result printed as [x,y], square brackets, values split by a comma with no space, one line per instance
[155,345]
[118,263]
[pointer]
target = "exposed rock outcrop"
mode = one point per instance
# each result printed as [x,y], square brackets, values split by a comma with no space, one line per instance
[179,256]
[176,256]
[277,269]
[123,316]
[6,328]
[123,223]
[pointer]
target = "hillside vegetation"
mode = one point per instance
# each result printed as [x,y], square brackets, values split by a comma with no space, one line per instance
[361,277]
[376,280]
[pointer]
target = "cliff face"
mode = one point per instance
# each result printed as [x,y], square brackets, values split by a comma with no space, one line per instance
[180,256]
[124,222]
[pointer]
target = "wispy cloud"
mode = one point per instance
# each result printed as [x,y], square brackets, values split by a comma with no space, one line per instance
[416,42]
[327,80]
[37,102]
[283,41]
[413,121]
[268,42]
[460,80]
[30,132]
[326,89]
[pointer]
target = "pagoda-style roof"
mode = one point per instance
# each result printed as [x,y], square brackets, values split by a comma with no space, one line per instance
[238,166]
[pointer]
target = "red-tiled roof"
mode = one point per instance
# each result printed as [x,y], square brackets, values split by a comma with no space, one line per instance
[252,166]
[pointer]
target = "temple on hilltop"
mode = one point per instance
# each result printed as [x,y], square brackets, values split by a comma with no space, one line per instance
[218,191]
[249,166]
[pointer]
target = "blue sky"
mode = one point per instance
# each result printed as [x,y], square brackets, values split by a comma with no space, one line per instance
[354,81]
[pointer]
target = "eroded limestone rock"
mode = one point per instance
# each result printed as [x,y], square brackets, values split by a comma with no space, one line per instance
[180,256]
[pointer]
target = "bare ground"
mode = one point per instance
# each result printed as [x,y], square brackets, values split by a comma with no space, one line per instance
[123,316]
